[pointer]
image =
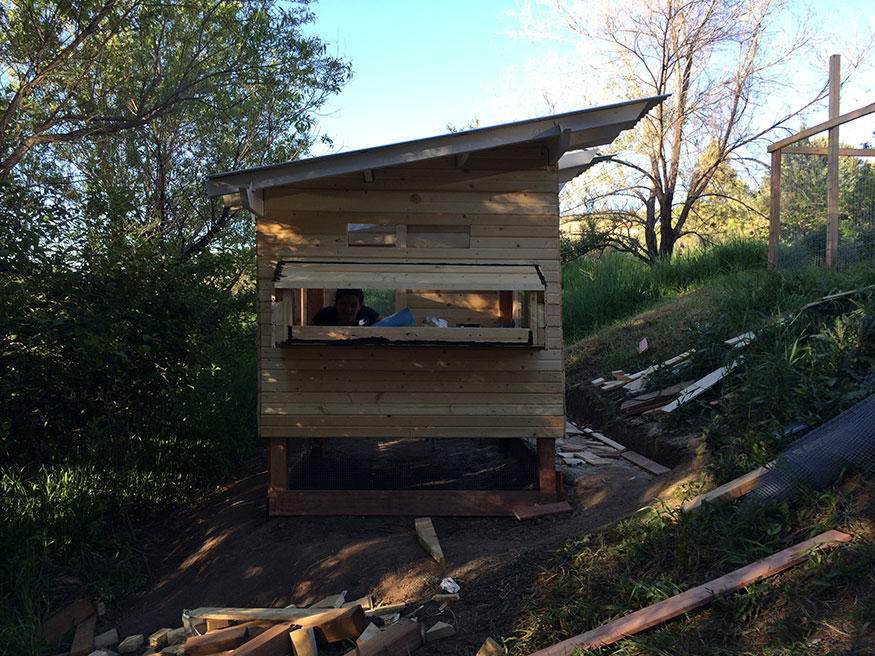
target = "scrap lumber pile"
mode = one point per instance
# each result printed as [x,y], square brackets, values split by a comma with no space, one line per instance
[333,625]
[291,631]
[668,398]
[585,446]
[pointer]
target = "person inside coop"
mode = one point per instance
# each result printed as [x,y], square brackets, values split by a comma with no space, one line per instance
[349,309]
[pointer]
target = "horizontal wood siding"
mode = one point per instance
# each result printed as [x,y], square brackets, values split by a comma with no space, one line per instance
[508,199]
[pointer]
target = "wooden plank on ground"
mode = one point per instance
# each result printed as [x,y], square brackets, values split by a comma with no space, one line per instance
[728,491]
[530,512]
[64,620]
[275,641]
[83,639]
[652,400]
[245,614]
[400,639]
[490,648]
[699,387]
[645,463]
[337,624]
[428,538]
[606,440]
[304,642]
[216,641]
[693,598]
[444,503]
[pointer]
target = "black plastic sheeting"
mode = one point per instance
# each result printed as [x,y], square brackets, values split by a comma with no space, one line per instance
[818,459]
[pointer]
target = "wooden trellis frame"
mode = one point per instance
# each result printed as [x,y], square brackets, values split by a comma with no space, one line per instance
[832,152]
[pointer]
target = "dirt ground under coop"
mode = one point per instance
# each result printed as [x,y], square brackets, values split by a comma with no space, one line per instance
[225,553]
[412,464]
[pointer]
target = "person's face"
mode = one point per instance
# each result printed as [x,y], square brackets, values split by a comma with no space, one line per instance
[348,307]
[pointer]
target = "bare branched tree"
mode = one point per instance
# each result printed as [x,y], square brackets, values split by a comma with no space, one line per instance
[725,64]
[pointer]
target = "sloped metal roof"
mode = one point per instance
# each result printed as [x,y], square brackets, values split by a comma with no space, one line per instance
[579,130]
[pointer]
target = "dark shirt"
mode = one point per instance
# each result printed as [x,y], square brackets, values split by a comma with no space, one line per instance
[327,316]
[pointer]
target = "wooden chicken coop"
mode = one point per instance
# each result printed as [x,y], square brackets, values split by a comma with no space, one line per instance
[459,231]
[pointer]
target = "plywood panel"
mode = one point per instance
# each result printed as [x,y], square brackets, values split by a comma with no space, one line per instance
[422,202]
[356,391]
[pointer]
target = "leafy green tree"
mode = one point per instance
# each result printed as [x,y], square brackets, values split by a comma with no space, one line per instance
[84,69]
[136,102]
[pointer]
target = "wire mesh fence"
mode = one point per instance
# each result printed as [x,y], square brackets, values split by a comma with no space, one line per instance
[803,239]
[412,464]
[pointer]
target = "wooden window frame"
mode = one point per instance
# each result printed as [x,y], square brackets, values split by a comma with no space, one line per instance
[299,292]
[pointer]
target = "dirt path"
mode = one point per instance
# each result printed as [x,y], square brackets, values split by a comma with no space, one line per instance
[225,553]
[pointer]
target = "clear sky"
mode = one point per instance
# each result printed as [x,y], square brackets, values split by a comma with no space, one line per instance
[420,64]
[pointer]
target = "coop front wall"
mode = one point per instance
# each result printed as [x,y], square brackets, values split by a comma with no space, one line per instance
[335,390]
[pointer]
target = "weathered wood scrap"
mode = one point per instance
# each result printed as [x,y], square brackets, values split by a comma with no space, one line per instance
[699,387]
[490,648]
[214,625]
[337,624]
[64,620]
[645,463]
[428,538]
[571,429]
[400,639]
[267,614]
[439,631]
[158,639]
[728,491]
[304,642]
[275,641]
[216,641]
[607,440]
[83,639]
[592,459]
[385,610]
[652,400]
[370,631]
[542,510]
[447,596]
[635,385]
[693,598]
[106,639]
[331,601]
[367,602]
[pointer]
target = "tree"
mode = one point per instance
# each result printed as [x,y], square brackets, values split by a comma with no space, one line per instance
[87,69]
[721,61]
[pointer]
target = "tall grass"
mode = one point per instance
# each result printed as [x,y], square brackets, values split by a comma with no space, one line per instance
[599,291]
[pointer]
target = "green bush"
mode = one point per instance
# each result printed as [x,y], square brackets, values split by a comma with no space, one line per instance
[129,383]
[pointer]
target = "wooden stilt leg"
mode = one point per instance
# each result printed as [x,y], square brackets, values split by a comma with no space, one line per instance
[278,465]
[546,464]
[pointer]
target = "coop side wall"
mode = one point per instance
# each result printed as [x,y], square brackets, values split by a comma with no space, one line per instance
[509,199]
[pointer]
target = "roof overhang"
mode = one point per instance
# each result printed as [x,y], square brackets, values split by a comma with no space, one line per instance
[563,133]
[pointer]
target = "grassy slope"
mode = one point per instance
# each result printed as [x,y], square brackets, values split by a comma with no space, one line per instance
[808,368]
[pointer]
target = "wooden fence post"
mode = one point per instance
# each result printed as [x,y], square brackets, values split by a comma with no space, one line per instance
[775,208]
[832,183]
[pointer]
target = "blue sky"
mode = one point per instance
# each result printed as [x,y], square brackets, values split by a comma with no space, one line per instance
[420,64]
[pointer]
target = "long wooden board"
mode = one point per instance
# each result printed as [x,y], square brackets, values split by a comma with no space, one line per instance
[728,491]
[437,503]
[693,598]
[423,334]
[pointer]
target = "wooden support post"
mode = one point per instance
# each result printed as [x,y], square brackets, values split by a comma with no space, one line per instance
[278,466]
[775,208]
[832,179]
[315,302]
[547,464]
[505,308]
